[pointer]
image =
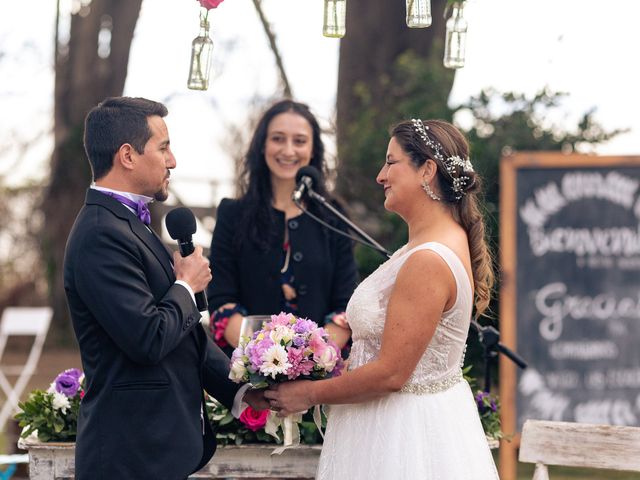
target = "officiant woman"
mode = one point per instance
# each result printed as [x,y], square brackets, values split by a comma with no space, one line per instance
[266,255]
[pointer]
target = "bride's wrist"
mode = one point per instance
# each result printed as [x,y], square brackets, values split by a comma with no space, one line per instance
[312,394]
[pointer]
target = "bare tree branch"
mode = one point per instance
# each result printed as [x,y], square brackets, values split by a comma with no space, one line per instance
[274,48]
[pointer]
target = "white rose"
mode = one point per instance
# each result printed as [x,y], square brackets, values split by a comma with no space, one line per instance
[281,334]
[238,370]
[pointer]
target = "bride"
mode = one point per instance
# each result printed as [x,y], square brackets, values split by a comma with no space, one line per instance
[403,410]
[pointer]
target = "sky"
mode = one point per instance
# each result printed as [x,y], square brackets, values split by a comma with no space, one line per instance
[576,46]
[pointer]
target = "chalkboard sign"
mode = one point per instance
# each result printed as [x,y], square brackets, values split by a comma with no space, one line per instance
[570,296]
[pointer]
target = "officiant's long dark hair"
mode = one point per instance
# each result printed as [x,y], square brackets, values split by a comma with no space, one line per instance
[258,223]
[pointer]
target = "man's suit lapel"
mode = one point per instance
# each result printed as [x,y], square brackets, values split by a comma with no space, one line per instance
[146,235]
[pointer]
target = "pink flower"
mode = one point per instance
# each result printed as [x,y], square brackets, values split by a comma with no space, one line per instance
[326,357]
[282,318]
[209,4]
[253,419]
[300,364]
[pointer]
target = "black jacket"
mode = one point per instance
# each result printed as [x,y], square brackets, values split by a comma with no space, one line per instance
[322,263]
[145,357]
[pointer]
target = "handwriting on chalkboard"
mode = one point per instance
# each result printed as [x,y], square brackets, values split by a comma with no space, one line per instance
[577,245]
[555,304]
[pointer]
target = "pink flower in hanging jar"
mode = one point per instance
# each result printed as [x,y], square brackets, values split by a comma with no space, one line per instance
[209,4]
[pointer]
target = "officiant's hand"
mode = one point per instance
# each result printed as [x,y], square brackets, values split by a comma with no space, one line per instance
[256,399]
[289,397]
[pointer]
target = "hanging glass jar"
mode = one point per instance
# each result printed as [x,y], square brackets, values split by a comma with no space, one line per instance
[335,12]
[201,49]
[418,13]
[456,38]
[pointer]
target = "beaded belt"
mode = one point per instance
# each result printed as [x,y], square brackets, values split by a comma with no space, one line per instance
[440,386]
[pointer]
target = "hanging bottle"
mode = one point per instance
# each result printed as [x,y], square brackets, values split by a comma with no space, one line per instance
[201,49]
[335,12]
[456,38]
[418,13]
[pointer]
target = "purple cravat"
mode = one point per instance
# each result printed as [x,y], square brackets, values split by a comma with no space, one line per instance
[141,209]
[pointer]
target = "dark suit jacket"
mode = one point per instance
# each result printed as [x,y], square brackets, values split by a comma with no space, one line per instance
[145,357]
[322,263]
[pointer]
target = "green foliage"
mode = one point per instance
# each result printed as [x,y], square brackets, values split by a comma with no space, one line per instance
[39,414]
[488,408]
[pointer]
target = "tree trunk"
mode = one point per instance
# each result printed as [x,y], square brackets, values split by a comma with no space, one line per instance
[84,77]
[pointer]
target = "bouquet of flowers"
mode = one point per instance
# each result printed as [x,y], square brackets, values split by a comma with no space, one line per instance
[53,415]
[286,348]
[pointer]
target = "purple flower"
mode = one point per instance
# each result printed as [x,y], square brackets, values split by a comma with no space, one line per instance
[485,402]
[67,384]
[74,372]
[256,353]
[299,341]
[303,325]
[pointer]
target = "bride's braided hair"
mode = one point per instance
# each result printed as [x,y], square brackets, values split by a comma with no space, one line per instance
[446,142]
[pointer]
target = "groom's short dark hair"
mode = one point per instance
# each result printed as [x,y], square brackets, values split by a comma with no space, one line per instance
[114,122]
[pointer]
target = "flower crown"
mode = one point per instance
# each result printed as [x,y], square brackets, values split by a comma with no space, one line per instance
[460,181]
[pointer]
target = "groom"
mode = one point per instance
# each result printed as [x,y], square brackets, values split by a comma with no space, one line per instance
[145,356]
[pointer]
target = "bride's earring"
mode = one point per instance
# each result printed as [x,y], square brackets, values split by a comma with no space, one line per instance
[431,193]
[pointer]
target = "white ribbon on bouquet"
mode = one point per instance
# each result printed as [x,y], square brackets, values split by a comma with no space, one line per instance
[290,429]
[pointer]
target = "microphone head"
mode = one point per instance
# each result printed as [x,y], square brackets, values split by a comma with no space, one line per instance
[309,171]
[181,223]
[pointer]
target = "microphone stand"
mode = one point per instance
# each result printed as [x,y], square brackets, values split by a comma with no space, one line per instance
[368,241]
[490,339]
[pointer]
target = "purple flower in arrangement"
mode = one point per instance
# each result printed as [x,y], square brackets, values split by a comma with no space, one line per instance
[256,354]
[485,401]
[303,325]
[74,372]
[68,383]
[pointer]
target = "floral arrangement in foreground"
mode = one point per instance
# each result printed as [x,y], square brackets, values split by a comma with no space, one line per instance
[488,407]
[52,415]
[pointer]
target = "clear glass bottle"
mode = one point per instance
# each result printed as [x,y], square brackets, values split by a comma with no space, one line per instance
[201,49]
[418,13]
[335,12]
[456,38]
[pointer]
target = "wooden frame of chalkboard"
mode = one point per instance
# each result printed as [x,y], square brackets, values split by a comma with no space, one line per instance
[570,260]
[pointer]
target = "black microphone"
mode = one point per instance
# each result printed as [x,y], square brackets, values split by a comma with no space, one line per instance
[181,224]
[306,178]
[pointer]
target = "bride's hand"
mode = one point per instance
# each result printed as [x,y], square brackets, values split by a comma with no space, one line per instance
[289,397]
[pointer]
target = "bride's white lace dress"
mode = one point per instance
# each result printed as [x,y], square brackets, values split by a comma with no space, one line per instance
[431,428]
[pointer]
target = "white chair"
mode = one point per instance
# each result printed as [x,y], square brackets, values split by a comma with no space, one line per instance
[608,447]
[21,321]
